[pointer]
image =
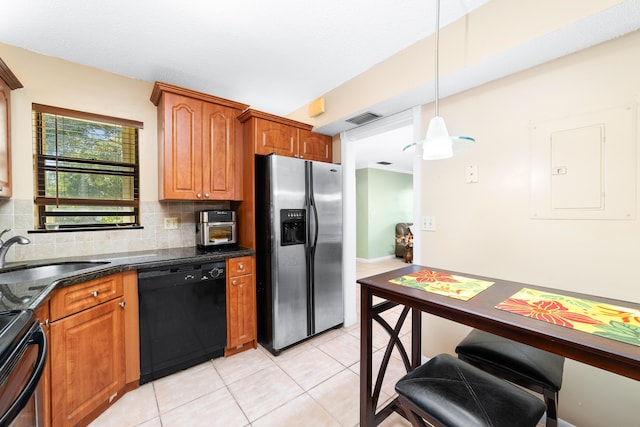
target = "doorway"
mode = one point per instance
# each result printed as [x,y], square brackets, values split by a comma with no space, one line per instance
[349,145]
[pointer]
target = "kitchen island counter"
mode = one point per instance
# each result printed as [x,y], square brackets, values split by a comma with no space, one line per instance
[31,294]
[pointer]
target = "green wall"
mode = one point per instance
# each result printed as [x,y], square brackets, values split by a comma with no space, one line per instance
[383,199]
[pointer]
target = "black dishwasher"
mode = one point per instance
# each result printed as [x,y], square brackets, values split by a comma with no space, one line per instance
[183,318]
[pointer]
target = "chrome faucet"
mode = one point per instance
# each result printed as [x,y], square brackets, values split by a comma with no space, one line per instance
[4,246]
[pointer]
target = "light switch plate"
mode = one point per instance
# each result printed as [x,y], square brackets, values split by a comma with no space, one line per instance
[428,223]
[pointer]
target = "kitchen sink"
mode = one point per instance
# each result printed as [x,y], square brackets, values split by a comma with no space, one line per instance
[28,274]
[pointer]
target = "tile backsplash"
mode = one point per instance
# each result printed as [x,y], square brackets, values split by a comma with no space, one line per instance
[18,215]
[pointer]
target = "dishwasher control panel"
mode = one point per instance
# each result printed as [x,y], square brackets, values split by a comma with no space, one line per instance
[185,273]
[217,271]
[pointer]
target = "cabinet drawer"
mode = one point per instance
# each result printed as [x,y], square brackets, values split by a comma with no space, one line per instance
[240,266]
[75,298]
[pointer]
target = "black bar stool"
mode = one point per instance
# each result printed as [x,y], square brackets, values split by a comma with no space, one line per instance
[529,367]
[447,392]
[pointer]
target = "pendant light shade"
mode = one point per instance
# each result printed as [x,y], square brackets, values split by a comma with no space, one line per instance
[438,144]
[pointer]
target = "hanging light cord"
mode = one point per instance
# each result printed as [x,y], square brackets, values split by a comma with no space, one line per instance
[438,139]
[437,57]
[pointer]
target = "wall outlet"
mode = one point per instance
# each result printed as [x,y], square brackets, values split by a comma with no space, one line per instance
[471,174]
[428,223]
[171,223]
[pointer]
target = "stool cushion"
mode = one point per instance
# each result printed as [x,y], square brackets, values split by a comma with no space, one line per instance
[537,366]
[457,394]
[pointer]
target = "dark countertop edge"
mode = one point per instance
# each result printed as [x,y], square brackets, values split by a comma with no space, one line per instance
[120,262]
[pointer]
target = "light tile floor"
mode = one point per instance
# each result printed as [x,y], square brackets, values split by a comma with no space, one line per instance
[315,383]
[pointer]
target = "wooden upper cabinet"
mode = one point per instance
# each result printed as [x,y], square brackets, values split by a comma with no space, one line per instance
[273,134]
[222,139]
[199,138]
[8,82]
[272,137]
[182,121]
[315,146]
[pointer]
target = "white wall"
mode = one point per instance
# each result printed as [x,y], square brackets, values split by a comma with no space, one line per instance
[59,83]
[486,228]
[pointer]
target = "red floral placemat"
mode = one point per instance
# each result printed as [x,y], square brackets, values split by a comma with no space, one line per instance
[463,288]
[605,320]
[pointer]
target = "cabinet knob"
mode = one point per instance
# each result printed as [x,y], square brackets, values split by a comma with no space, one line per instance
[234,282]
[206,196]
[45,323]
[94,293]
[122,304]
[240,266]
[199,196]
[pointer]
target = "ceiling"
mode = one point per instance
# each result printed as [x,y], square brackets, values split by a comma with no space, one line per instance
[386,146]
[275,55]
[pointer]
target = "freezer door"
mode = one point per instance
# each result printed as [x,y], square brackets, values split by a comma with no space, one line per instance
[327,288]
[288,272]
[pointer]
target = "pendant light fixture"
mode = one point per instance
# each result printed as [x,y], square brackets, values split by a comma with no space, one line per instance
[438,143]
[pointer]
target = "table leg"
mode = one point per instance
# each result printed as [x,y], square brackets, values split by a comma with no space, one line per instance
[416,337]
[367,411]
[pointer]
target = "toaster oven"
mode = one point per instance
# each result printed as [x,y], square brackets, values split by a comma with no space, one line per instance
[216,227]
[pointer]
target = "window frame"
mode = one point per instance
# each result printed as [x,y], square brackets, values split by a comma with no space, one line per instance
[42,201]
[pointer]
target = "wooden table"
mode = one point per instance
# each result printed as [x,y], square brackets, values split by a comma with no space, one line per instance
[478,312]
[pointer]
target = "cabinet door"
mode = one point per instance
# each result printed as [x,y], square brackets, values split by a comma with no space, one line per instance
[241,302]
[276,138]
[241,315]
[5,140]
[87,362]
[315,146]
[181,147]
[219,135]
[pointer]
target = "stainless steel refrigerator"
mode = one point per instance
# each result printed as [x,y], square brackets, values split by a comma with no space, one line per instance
[299,249]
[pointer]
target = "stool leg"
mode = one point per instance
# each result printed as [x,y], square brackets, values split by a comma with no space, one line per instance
[551,400]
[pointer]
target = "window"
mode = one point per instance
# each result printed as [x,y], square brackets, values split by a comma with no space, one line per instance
[86,169]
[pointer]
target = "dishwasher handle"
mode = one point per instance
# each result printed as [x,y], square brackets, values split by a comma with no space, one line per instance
[167,279]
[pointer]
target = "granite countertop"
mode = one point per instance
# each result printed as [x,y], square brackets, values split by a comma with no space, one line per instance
[29,295]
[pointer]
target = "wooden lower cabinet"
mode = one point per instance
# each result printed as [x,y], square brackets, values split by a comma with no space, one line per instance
[241,305]
[86,350]
[87,362]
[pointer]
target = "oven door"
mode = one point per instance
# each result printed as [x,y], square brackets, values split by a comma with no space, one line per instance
[24,349]
[218,233]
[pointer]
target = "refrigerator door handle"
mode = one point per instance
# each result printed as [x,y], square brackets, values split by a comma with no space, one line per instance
[312,207]
[310,246]
[315,224]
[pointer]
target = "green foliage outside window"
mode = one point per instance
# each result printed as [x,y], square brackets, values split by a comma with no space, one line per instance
[86,169]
